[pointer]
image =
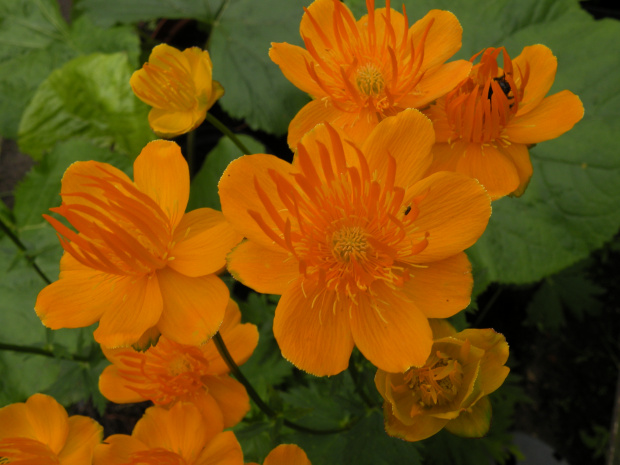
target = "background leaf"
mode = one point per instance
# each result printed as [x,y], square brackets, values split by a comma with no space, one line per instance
[35,40]
[203,192]
[88,97]
[256,90]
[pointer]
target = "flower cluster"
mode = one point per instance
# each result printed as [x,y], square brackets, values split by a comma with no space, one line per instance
[363,236]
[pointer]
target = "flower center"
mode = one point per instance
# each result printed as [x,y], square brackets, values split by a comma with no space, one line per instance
[369,80]
[349,243]
[165,372]
[483,104]
[437,382]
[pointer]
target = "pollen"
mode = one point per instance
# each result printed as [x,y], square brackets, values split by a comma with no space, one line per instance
[369,80]
[349,243]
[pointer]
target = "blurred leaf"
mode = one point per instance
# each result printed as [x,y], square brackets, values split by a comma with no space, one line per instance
[88,97]
[203,192]
[571,290]
[35,40]
[108,12]
[256,89]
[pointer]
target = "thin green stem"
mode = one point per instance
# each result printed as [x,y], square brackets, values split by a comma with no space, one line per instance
[228,133]
[39,351]
[24,250]
[271,413]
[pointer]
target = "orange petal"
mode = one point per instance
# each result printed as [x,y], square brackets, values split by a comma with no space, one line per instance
[287,454]
[443,288]
[238,195]
[201,70]
[443,40]
[322,134]
[539,61]
[193,307]
[322,11]
[76,180]
[14,421]
[161,172]
[408,137]
[441,125]
[319,111]
[437,83]
[454,211]
[390,331]
[115,388]
[167,123]
[425,426]
[292,62]
[496,172]
[554,116]
[48,420]
[78,298]
[473,422]
[223,449]
[492,372]
[445,157]
[264,270]
[311,326]
[520,156]
[441,328]
[84,434]
[116,450]
[182,430]
[202,240]
[231,397]
[136,306]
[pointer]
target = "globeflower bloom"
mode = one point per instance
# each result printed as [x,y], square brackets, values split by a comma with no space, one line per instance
[359,72]
[40,432]
[180,88]
[450,390]
[486,124]
[137,264]
[170,372]
[177,436]
[362,248]
[286,454]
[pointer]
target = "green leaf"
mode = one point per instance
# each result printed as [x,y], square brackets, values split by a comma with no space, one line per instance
[108,12]
[203,192]
[256,89]
[35,40]
[89,97]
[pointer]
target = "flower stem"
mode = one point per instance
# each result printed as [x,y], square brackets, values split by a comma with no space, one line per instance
[234,369]
[228,133]
[23,249]
[40,351]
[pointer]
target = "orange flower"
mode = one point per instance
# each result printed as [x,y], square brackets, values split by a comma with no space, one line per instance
[179,87]
[360,72]
[361,247]
[171,372]
[450,389]
[485,125]
[286,454]
[177,436]
[40,432]
[138,262]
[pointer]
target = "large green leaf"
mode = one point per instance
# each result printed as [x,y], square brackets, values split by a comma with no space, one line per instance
[108,12]
[89,97]
[34,40]
[256,90]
